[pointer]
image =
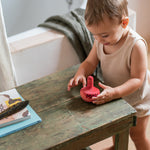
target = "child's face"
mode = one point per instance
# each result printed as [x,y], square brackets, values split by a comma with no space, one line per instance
[108,32]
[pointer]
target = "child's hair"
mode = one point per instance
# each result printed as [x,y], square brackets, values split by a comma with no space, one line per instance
[96,9]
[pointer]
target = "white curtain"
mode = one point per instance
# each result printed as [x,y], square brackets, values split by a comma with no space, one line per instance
[7,73]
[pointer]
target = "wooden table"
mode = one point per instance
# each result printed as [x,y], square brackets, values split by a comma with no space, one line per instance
[68,123]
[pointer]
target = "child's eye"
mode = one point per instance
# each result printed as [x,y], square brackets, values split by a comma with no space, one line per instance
[105,36]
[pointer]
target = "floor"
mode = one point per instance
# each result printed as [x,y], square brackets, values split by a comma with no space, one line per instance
[108,142]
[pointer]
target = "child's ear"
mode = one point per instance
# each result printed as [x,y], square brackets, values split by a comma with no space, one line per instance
[125,22]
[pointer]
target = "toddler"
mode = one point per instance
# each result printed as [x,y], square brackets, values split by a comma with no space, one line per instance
[123,56]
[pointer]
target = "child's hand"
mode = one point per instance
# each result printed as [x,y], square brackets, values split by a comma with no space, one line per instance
[76,80]
[105,96]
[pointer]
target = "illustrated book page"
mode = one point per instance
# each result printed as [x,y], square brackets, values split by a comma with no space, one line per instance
[33,119]
[8,99]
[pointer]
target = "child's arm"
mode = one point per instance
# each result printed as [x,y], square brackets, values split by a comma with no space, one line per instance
[86,68]
[137,74]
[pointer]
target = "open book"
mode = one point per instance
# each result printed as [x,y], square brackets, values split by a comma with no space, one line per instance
[8,99]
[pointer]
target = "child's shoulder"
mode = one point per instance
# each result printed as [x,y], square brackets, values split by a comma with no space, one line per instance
[134,34]
[136,38]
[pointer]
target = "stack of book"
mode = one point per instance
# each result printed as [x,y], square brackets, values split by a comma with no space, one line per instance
[19,120]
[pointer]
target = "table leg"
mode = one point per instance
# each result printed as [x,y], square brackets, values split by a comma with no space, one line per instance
[121,140]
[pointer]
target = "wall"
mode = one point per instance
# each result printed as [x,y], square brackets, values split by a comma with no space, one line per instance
[22,15]
[143,16]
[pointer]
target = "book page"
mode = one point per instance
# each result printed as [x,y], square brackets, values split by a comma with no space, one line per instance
[8,99]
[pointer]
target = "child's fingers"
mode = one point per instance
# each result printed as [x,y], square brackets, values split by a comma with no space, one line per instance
[103,86]
[99,102]
[70,84]
[101,96]
[84,82]
[77,81]
[99,99]
[80,80]
[69,87]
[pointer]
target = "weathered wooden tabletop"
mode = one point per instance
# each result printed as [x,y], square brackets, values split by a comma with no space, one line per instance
[68,123]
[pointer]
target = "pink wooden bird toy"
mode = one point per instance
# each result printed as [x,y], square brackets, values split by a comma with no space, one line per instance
[89,91]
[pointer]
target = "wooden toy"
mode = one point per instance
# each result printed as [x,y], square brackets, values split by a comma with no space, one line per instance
[89,91]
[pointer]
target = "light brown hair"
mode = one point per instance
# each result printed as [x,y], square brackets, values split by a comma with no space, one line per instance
[96,9]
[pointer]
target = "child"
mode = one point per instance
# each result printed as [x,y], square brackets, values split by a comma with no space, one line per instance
[123,56]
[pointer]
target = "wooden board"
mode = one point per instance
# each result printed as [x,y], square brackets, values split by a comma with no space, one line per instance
[68,123]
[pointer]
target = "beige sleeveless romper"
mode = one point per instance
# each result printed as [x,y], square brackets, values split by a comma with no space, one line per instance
[116,70]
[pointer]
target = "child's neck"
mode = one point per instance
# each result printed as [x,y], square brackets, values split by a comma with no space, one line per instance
[118,45]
